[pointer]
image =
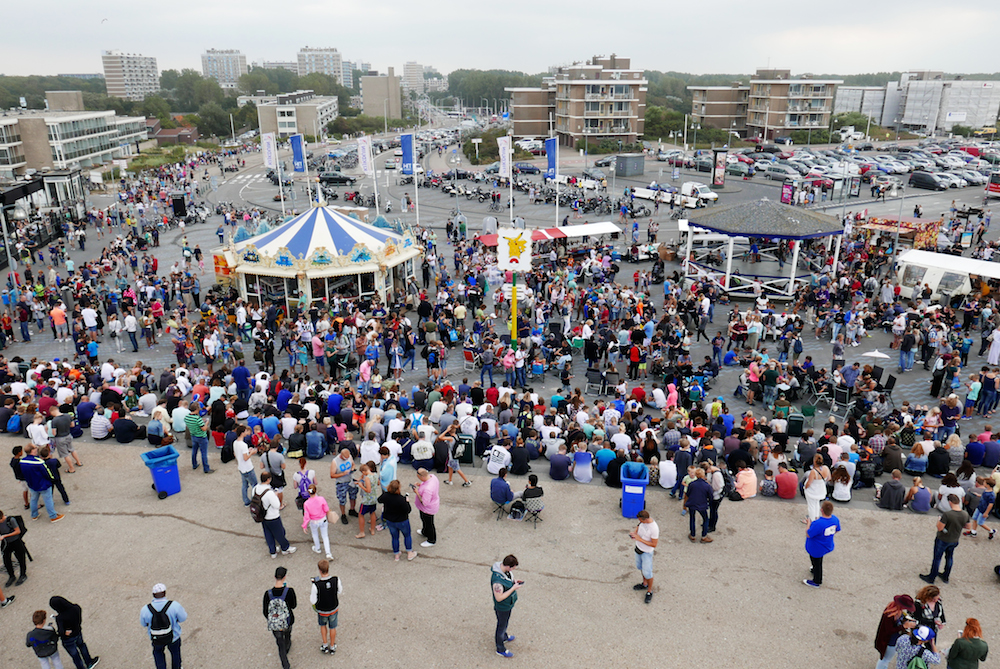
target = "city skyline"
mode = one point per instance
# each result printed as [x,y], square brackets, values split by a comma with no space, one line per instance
[855,37]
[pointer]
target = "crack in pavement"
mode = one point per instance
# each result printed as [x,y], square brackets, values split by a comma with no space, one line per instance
[385,551]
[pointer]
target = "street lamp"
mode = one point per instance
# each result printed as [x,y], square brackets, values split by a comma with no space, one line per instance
[896,122]
[694,144]
[487,105]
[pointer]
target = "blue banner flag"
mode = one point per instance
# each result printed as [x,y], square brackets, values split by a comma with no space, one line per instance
[298,154]
[550,156]
[406,142]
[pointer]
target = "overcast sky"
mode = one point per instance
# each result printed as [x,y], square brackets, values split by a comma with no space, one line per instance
[725,36]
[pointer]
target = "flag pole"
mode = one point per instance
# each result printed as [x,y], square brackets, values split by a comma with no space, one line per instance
[510,176]
[555,177]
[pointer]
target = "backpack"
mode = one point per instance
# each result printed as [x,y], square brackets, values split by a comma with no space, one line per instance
[161,632]
[257,509]
[516,510]
[304,484]
[277,612]
[228,454]
[728,485]
[917,661]
[14,424]
[797,347]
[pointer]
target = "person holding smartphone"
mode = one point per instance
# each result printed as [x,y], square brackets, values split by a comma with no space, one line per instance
[504,597]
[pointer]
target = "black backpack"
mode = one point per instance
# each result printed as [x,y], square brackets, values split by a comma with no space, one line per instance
[728,486]
[228,454]
[161,631]
[257,510]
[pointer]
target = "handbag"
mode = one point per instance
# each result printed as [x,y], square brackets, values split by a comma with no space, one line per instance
[277,479]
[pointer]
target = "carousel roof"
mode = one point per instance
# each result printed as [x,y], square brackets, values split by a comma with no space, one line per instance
[321,227]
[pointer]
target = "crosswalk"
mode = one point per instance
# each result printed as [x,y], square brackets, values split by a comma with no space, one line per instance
[246,178]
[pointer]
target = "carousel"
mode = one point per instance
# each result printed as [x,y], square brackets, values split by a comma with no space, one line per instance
[316,255]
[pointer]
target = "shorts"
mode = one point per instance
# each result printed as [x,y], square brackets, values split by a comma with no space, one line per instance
[209,359]
[328,619]
[321,360]
[345,489]
[64,446]
[366,509]
[453,465]
[969,403]
[756,387]
[978,516]
[433,365]
[644,563]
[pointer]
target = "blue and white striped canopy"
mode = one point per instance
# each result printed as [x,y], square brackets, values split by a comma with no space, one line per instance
[321,227]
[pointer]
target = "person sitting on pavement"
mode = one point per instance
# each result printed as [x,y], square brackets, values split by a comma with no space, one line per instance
[500,491]
[892,493]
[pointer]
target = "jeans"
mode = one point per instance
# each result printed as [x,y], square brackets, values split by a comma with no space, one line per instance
[817,572]
[394,530]
[284,640]
[243,393]
[248,480]
[519,377]
[906,359]
[77,649]
[430,532]
[503,619]
[890,652]
[704,522]
[411,358]
[944,432]
[160,657]
[509,375]
[274,534]
[46,496]
[947,550]
[199,444]
[12,549]
[51,662]
[717,355]
[135,344]
[487,369]
[25,334]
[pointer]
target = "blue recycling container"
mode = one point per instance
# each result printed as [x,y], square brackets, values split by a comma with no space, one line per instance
[162,463]
[633,493]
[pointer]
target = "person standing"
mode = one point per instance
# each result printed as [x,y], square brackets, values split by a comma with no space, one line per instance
[698,497]
[646,535]
[162,619]
[279,612]
[315,514]
[819,541]
[949,526]
[428,501]
[69,619]
[40,482]
[13,545]
[969,649]
[196,427]
[325,598]
[44,641]
[248,477]
[504,597]
[396,516]
[341,470]
[274,531]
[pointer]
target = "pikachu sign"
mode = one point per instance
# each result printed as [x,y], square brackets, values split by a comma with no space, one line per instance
[514,249]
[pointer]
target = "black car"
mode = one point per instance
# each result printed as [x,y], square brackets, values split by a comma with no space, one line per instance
[606,161]
[867,146]
[461,174]
[526,168]
[336,179]
[703,164]
[928,181]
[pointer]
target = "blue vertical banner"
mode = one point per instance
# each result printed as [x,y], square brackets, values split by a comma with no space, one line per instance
[298,154]
[406,143]
[550,156]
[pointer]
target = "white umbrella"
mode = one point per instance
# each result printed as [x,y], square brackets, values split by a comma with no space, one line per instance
[875,354]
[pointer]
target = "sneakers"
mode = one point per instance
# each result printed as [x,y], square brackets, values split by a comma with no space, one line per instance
[316,550]
[352,513]
[510,637]
[638,586]
[927,578]
[467,484]
[420,532]
[329,556]
[21,579]
[811,583]
[330,650]
[291,549]
[93,662]
[992,532]
[343,519]
[324,648]
[7,602]
[970,533]
[10,581]
[57,518]
[209,471]
[448,483]
[505,653]
[426,544]
[649,597]
[274,555]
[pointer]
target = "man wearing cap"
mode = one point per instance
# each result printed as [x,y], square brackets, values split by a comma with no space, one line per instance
[274,595]
[919,642]
[176,615]
[949,527]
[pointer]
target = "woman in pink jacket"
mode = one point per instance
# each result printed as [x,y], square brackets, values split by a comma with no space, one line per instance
[428,501]
[314,518]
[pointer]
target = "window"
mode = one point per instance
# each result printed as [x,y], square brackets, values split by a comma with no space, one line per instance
[950,282]
[913,275]
[593,106]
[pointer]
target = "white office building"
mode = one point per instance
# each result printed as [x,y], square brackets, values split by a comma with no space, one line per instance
[226,66]
[413,77]
[325,61]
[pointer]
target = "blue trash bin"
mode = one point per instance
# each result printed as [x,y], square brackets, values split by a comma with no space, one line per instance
[633,491]
[162,464]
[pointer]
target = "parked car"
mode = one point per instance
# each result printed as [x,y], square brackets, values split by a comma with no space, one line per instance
[927,180]
[775,171]
[738,169]
[336,179]
[704,164]
[606,161]
[492,168]
[526,168]
[787,141]
[593,173]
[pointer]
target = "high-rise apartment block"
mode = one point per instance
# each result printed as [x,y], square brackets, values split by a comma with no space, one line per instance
[603,98]
[413,77]
[226,66]
[130,76]
[325,61]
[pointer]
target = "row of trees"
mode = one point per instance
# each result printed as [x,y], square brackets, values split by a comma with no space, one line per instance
[474,85]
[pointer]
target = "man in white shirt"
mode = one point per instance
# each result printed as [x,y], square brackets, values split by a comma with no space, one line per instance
[131,327]
[499,458]
[108,371]
[177,417]
[245,465]
[621,441]
[89,318]
[274,531]
[437,410]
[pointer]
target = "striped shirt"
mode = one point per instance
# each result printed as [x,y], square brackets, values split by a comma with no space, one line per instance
[195,425]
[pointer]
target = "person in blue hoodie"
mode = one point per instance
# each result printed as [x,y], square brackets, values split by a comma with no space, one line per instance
[40,482]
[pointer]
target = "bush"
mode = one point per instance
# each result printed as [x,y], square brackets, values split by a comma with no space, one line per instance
[818,136]
[489,151]
[608,145]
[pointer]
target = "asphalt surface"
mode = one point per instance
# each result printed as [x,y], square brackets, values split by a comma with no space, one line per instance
[737,602]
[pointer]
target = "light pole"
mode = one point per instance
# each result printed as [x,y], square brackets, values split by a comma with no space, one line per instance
[694,143]
[487,105]
[896,122]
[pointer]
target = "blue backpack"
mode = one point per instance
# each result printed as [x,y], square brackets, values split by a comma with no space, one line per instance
[14,424]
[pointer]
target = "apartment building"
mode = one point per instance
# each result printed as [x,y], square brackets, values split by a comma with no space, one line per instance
[290,65]
[62,140]
[925,102]
[380,95]
[867,100]
[299,112]
[779,105]
[723,107]
[226,66]
[413,77]
[129,75]
[347,80]
[322,60]
[602,98]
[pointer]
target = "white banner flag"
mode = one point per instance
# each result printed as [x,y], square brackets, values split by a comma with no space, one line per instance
[270,150]
[514,249]
[365,155]
[504,144]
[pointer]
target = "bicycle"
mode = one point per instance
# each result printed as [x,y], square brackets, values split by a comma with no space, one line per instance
[494,206]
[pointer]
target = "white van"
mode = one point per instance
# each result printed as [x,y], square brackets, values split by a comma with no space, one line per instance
[946,275]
